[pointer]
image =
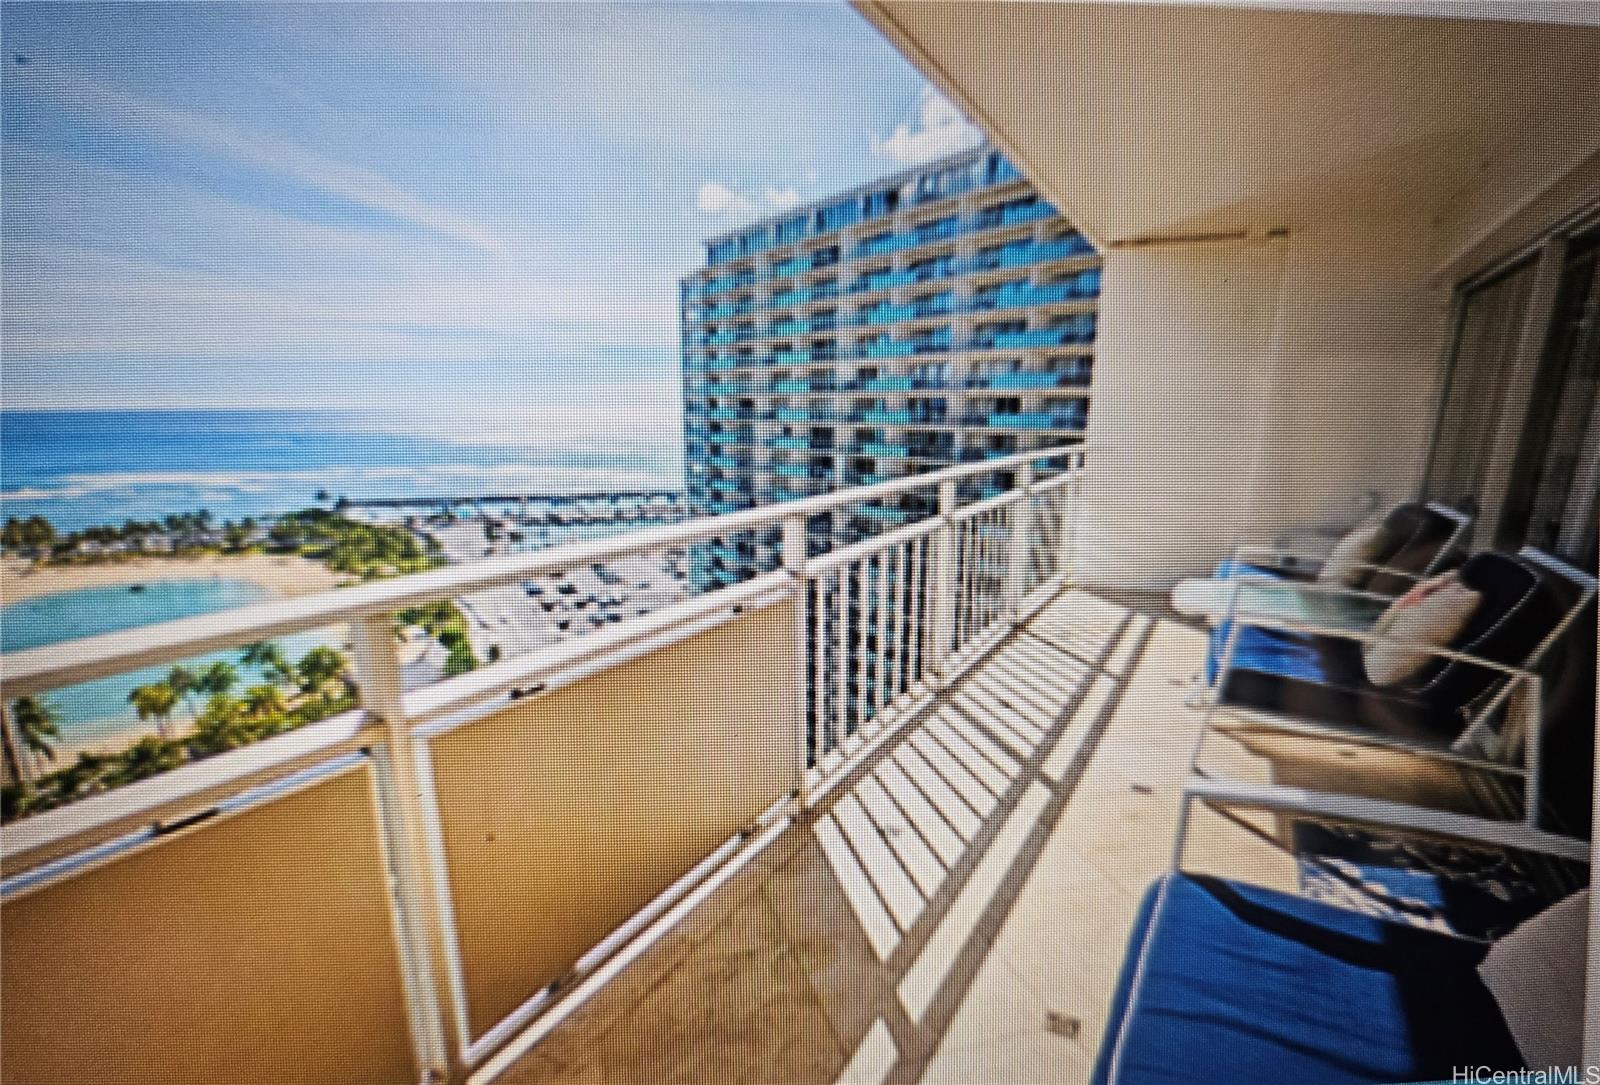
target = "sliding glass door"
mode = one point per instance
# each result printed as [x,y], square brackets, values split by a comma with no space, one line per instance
[1518,435]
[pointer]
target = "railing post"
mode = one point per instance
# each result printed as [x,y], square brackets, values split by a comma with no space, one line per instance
[403,814]
[795,558]
[943,583]
[1068,556]
[18,765]
[1021,540]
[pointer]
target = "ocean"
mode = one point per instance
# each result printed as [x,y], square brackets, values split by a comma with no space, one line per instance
[92,467]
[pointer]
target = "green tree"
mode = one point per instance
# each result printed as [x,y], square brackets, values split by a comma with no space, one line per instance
[183,683]
[269,659]
[264,702]
[460,660]
[38,725]
[154,702]
[220,726]
[34,535]
[145,758]
[83,775]
[17,769]
[234,535]
[218,678]
[321,666]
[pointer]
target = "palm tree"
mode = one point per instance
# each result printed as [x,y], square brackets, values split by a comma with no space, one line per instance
[154,702]
[181,680]
[269,659]
[264,701]
[320,666]
[16,768]
[218,678]
[38,725]
[219,727]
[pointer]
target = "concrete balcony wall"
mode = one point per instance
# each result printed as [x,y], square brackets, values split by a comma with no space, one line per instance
[252,947]
[576,809]
[261,942]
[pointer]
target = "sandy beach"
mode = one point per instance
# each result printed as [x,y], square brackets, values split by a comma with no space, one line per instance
[282,574]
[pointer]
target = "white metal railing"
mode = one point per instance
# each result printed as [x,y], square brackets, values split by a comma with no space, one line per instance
[880,626]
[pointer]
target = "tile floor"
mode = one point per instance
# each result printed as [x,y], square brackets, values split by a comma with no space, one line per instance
[957,909]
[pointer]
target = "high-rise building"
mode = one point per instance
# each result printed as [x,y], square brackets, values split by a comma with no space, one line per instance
[945,314]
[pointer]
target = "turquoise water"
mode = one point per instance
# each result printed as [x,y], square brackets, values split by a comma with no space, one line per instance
[99,710]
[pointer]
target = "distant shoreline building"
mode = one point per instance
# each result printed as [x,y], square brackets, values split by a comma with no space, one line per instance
[945,314]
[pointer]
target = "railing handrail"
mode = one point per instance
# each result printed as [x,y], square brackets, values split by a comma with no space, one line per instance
[66,663]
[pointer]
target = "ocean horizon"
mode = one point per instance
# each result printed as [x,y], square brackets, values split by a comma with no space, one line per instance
[84,467]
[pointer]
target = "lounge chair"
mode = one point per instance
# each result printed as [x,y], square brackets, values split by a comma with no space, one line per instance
[1228,982]
[1416,540]
[1525,647]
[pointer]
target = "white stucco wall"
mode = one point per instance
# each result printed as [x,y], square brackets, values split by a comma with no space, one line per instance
[1243,387]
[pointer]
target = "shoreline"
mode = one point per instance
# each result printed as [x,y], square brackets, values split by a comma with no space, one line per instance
[283,574]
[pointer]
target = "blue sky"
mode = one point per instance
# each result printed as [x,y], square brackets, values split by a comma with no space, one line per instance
[278,205]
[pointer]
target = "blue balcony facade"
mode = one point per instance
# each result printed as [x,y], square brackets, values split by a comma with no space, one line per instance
[891,346]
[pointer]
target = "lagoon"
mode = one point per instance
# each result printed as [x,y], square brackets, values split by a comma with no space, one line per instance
[98,712]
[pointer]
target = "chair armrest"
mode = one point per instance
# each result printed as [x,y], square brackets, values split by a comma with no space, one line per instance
[1255,554]
[1308,587]
[1268,620]
[1380,813]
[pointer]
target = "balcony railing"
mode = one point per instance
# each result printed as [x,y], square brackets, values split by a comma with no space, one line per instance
[1017,382]
[1017,255]
[411,882]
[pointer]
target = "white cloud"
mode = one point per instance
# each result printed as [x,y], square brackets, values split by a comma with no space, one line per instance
[716,198]
[940,130]
[269,154]
[781,198]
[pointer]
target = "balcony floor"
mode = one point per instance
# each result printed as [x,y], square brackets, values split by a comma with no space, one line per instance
[957,911]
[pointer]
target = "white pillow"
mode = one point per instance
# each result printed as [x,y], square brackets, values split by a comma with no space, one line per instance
[1347,563]
[1536,975]
[1430,615]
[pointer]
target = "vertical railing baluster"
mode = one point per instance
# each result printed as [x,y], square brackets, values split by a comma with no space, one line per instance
[942,583]
[992,578]
[891,638]
[819,668]
[882,656]
[842,661]
[969,564]
[989,524]
[917,587]
[863,701]
[963,584]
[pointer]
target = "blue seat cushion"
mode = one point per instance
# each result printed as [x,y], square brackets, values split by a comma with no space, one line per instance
[1269,651]
[1229,569]
[1226,982]
[1266,650]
